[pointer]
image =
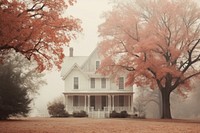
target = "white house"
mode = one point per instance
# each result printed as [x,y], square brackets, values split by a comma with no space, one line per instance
[96,94]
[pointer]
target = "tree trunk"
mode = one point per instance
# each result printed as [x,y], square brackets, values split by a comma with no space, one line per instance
[166,112]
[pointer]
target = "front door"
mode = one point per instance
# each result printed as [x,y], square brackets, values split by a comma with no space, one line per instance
[98,102]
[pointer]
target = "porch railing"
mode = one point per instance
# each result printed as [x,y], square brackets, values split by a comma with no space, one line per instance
[122,108]
[100,113]
[76,108]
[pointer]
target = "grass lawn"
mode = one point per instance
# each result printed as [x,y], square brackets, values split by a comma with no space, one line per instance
[89,125]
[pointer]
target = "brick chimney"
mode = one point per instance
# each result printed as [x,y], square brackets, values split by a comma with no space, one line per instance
[71,52]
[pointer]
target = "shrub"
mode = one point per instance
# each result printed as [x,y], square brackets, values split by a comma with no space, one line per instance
[57,109]
[79,114]
[122,114]
[114,114]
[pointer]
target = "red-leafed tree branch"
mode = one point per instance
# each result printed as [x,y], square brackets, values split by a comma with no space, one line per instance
[37,29]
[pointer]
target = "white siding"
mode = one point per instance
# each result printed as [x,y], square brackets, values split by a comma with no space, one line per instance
[115,86]
[69,81]
[98,84]
[89,67]
[84,82]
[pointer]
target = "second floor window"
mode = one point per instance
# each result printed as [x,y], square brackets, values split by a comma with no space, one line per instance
[103,83]
[92,82]
[75,82]
[121,82]
[97,64]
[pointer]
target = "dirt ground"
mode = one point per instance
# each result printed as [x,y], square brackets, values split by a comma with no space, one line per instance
[89,125]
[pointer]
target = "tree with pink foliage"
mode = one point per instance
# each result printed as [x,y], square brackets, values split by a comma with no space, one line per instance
[156,41]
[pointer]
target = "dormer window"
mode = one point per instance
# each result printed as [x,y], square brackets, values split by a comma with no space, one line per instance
[97,64]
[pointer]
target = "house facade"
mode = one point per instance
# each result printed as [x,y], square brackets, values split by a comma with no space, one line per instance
[89,91]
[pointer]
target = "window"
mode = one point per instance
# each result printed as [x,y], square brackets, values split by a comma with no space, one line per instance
[121,83]
[75,82]
[97,64]
[92,82]
[103,102]
[121,100]
[103,83]
[75,100]
[92,101]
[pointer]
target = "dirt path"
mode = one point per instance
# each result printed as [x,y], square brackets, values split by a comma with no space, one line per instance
[87,125]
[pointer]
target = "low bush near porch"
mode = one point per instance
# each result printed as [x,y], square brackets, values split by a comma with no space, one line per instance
[122,114]
[57,109]
[79,114]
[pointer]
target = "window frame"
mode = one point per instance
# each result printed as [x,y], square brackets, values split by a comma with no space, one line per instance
[76,83]
[92,83]
[121,100]
[103,83]
[121,83]
[75,101]
[97,64]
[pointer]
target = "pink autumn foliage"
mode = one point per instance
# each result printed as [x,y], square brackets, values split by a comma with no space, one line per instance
[156,42]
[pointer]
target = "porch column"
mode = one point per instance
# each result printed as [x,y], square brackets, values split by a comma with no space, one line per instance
[113,102]
[109,103]
[85,108]
[88,103]
[129,103]
[66,102]
[132,100]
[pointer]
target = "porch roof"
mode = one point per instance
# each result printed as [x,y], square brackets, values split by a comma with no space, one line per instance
[83,93]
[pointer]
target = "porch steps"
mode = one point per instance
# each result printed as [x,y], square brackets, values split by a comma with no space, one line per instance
[98,114]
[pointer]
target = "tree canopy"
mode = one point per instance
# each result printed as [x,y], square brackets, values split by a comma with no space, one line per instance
[37,29]
[156,41]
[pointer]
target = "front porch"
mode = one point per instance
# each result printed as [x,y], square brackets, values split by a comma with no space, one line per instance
[99,105]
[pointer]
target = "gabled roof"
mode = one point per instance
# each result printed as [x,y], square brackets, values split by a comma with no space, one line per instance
[79,61]
[75,66]
[70,62]
[88,58]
